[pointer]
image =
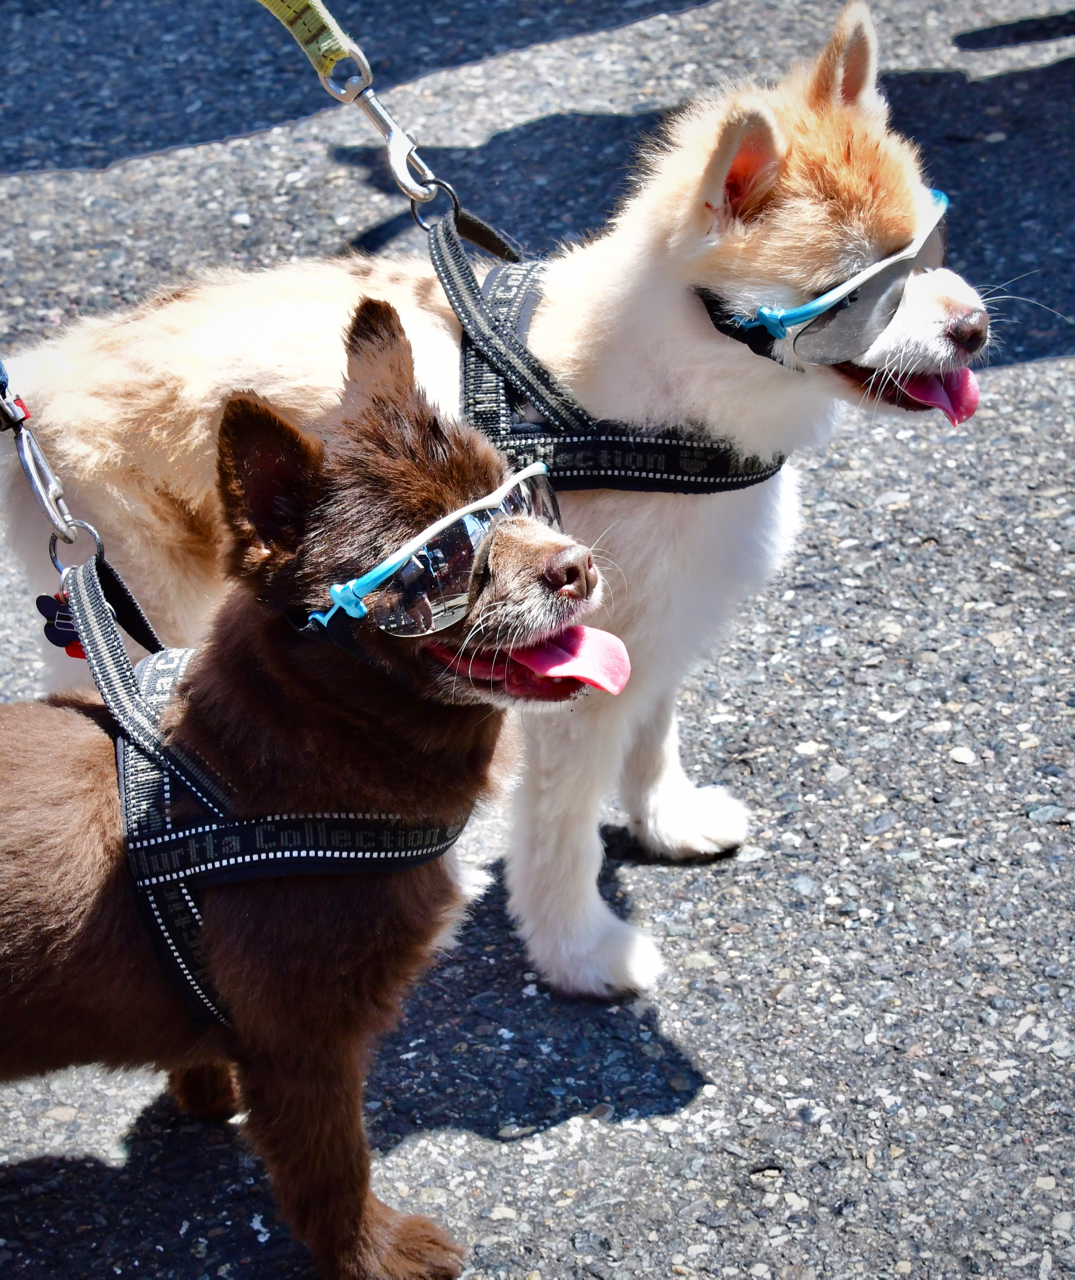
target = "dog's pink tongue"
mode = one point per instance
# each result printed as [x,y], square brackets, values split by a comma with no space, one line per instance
[955,394]
[584,653]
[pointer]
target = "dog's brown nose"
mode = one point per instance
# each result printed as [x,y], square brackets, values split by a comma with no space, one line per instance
[571,572]
[969,331]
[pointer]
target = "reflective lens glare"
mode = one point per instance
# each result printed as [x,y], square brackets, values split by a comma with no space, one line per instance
[851,326]
[431,590]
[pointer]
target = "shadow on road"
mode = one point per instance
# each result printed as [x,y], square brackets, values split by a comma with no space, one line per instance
[1003,148]
[1052,26]
[482,1048]
[124,77]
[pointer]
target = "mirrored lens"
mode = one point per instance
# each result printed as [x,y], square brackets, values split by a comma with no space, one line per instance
[855,323]
[432,590]
[934,253]
[533,497]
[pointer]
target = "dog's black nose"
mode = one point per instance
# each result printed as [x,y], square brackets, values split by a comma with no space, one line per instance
[969,331]
[571,572]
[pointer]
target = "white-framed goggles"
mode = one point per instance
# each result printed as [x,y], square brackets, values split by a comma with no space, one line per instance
[844,322]
[425,585]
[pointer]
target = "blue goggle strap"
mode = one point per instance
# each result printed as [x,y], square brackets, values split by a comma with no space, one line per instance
[777,321]
[348,596]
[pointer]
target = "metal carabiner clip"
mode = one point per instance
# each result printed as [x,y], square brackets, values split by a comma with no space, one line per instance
[64,569]
[45,484]
[403,154]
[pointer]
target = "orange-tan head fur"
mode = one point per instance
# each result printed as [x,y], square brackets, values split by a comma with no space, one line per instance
[801,184]
[771,197]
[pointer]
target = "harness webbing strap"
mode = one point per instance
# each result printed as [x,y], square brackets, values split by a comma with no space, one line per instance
[505,387]
[127,610]
[174,859]
[507,291]
[114,677]
[502,349]
[317,32]
[173,855]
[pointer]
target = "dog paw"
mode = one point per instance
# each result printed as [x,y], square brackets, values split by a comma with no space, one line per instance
[405,1247]
[208,1090]
[690,822]
[621,958]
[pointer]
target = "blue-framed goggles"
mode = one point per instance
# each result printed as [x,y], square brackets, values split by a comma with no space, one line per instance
[844,322]
[425,585]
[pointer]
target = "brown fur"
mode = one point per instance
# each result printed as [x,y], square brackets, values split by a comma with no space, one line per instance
[312,969]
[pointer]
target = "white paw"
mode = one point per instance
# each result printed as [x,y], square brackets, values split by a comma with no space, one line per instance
[619,958]
[683,821]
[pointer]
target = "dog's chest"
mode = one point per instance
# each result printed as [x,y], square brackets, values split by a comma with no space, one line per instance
[676,565]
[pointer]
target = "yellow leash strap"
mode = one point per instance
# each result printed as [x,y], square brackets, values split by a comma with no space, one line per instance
[323,41]
[318,33]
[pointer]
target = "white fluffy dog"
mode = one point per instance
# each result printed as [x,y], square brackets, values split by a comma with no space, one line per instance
[760,196]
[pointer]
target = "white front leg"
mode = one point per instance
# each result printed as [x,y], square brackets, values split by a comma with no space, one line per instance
[572,936]
[666,812]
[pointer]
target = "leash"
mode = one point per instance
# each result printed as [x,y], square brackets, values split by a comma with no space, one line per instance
[321,38]
[46,487]
[43,482]
[506,391]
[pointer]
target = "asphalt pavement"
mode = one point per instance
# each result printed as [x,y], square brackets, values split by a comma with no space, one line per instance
[860,1061]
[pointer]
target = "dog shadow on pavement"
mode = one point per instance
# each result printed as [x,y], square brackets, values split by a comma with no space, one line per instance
[483,1047]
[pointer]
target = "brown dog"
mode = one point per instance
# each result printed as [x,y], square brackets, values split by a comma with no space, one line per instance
[311,968]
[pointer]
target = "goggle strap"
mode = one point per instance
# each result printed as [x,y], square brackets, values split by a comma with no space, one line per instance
[339,633]
[751,334]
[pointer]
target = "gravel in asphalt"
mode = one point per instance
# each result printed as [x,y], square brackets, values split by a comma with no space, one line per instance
[860,1061]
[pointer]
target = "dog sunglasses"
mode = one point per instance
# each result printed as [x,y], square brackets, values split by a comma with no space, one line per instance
[425,585]
[846,321]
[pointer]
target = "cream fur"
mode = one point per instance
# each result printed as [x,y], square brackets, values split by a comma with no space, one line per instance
[127,409]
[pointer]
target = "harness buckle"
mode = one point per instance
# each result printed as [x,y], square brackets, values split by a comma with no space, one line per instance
[403,157]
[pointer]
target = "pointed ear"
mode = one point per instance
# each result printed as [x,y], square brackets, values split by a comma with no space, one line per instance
[743,167]
[846,69]
[379,360]
[269,477]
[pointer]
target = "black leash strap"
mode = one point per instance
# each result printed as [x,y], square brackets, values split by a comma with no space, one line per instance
[173,857]
[127,610]
[503,380]
[481,234]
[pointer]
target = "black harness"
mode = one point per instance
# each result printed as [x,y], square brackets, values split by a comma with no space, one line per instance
[174,860]
[510,395]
